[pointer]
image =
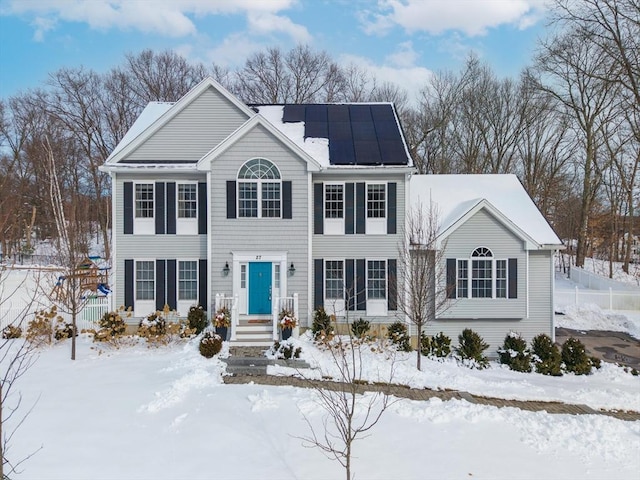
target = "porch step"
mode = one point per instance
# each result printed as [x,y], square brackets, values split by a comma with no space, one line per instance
[237,365]
[254,334]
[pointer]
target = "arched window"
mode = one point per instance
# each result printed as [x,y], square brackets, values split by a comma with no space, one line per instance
[481,273]
[259,187]
[488,277]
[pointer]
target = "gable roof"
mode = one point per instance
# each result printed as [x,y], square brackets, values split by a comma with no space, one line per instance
[157,114]
[357,134]
[458,197]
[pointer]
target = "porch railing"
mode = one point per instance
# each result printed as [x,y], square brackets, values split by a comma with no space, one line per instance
[288,303]
[231,303]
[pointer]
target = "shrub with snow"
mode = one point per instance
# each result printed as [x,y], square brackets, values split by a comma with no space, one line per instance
[285,349]
[210,344]
[546,356]
[112,326]
[471,349]
[360,328]
[64,330]
[197,319]
[399,336]
[39,330]
[575,358]
[11,331]
[514,353]
[321,327]
[438,346]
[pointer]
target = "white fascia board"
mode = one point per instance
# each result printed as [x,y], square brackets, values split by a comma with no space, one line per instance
[369,169]
[180,105]
[149,167]
[257,119]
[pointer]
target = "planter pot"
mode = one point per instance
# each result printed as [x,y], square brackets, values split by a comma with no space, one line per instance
[286,333]
[222,331]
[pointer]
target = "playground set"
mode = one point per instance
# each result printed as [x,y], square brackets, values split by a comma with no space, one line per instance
[94,280]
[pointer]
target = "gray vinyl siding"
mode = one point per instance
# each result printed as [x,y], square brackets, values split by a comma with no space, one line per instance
[540,295]
[194,131]
[150,246]
[261,235]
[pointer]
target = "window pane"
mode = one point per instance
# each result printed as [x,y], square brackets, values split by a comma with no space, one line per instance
[243,276]
[271,200]
[334,279]
[501,278]
[187,280]
[187,201]
[481,279]
[144,200]
[276,275]
[248,199]
[376,205]
[145,280]
[259,168]
[463,279]
[333,205]
[376,279]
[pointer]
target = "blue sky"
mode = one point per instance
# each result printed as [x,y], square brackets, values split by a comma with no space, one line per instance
[397,40]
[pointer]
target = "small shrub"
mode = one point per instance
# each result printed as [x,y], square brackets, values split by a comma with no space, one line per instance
[514,353]
[11,331]
[360,328]
[596,362]
[399,336]
[197,319]
[112,326]
[210,344]
[471,348]
[321,326]
[437,346]
[153,327]
[546,356]
[285,349]
[64,330]
[39,330]
[575,358]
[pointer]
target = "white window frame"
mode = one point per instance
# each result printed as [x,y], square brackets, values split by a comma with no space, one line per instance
[260,183]
[377,306]
[144,307]
[376,225]
[333,225]
[144,225]
[186,225]
[183,305]
[334,305]
[494,279]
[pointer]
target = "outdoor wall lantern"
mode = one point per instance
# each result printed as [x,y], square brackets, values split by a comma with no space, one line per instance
[226,269]
[292,269]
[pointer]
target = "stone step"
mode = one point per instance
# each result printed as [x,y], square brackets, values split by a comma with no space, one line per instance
[246,370]
[238,365]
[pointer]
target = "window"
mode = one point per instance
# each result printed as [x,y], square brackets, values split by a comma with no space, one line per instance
[501,279]
[334,279]
[259,190]
[276,276]
[187,200]
[376,201]
[187,280]
[334,201]
[145,280]
[376,279]
[243,276]
[483,276]
[463,278]
[481,273]
[144,200]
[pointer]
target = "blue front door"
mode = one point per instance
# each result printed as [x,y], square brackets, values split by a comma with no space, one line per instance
[259,288]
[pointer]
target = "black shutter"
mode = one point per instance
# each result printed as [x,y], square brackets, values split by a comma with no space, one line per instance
[128,285]
[286,200]
[349,275]
[318,210]
[171,208]
[513,278]
[348,209]
[391,207]
[231,199]
[128,208]
[392,284]
[361,284]
[202,283]
[202,208]
[361,207]
[160,284]
[159,207]
[451,278]
[318,283]
[171,285]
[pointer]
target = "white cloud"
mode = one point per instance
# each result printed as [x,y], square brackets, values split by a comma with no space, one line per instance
[404,56]
[234,50]
[472,17]
[266,22]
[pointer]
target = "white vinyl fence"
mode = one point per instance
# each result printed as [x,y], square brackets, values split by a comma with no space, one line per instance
[19,312]
[598,282]
[605,299]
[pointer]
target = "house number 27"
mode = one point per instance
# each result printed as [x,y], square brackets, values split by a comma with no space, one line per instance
[258,257]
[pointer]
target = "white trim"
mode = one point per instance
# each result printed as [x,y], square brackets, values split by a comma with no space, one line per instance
[310,220]
[333,226]
[210,296]
[376,307]
[142,308]
[182,306]
[526,261]
[114,234]
[186,226]
[376,225]
[144,225]
[258,256]
[334,305]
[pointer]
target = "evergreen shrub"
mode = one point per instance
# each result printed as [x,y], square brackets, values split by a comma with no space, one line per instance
[210,344]
[321,326]
[197,319]
[438,346]
[471,348]
[546,356]
[399,336]
[514,353]
[360,328]
[575,358]
[286,350]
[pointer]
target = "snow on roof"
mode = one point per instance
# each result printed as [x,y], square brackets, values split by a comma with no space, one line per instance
[152,112]
[455,195]
[318,148]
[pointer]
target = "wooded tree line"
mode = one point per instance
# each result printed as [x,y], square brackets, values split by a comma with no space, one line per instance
[568,126]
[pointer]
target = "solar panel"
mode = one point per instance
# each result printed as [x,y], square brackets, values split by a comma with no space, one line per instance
[340,131]
[316,113]
[338,113]
[341,152]
[316,130]
[393,152]
[293,113]
[386,130]
[367,152]
[382,113]
[360,113]
[363,131]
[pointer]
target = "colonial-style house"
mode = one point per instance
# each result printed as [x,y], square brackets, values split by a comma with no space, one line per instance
[265,207]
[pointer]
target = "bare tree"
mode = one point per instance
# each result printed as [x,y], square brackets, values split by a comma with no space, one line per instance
[421,273]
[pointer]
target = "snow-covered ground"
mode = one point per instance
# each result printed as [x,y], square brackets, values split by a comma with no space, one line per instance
[141,412]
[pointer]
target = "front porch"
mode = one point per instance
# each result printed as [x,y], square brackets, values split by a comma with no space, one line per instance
[257,330]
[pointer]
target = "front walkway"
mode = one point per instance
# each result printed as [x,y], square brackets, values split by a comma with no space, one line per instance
[425,394]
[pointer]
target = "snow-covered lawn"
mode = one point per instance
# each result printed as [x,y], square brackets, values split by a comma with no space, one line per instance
[141,412]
